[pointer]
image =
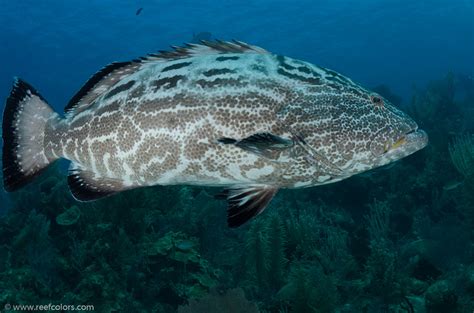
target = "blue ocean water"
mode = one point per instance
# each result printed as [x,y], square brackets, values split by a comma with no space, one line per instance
[398,239]
[57,45]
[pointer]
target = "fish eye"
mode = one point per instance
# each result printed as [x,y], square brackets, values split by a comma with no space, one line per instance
[376,100]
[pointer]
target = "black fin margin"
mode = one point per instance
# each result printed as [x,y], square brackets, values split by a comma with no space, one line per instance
[244,203]
[93,81]
[13,176]
[82,191]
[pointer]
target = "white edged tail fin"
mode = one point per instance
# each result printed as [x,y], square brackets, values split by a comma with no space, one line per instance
[24,119]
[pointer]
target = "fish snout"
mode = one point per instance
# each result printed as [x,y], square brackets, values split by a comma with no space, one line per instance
[396,145]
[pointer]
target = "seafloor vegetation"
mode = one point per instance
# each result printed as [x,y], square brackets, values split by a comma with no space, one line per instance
[396,240]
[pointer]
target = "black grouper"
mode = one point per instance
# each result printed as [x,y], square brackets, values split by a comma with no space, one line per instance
[212,114]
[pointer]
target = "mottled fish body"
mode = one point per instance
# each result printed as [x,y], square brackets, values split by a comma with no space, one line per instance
[214,114]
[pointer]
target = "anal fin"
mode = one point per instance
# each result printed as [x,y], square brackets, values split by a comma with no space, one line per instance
[85,185]
[246,202]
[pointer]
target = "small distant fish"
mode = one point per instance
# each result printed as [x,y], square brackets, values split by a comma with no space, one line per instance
[139,11]
[218,113]
[202,36]
[452,185]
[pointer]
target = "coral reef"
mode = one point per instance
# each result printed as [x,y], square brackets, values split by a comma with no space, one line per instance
[232,301]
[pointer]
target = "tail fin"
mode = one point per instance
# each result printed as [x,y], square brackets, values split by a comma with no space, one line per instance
[24,120]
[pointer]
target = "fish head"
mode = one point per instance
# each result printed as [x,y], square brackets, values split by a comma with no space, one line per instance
[358,130]
[375,132]
[394,135]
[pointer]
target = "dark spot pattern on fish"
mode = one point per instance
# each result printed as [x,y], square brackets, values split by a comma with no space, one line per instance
[335,79]
[357,92]
[167,82]
[219,82]
[283,64]
[220,71]
[114,106]
[176,66]
[259,68]
[307,70]
[304,69]
[310,80]
[336,76]
[221,59]
[120,89]
[334,86]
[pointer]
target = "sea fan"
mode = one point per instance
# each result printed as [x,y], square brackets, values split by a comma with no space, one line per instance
[461,151]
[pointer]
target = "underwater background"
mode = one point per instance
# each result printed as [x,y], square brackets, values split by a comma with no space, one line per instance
[397,239]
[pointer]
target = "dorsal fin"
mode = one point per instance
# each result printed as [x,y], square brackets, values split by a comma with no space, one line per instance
[98,83]
[107,77]
[206,48]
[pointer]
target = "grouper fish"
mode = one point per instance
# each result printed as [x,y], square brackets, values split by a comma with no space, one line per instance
[216,113]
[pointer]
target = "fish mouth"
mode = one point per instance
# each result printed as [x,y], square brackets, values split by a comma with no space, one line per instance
[408,143]
[405,144]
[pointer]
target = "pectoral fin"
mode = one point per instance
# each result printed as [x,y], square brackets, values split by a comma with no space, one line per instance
[246,202]
[263,144]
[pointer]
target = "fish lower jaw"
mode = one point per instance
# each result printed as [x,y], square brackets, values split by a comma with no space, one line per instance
[408,144]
